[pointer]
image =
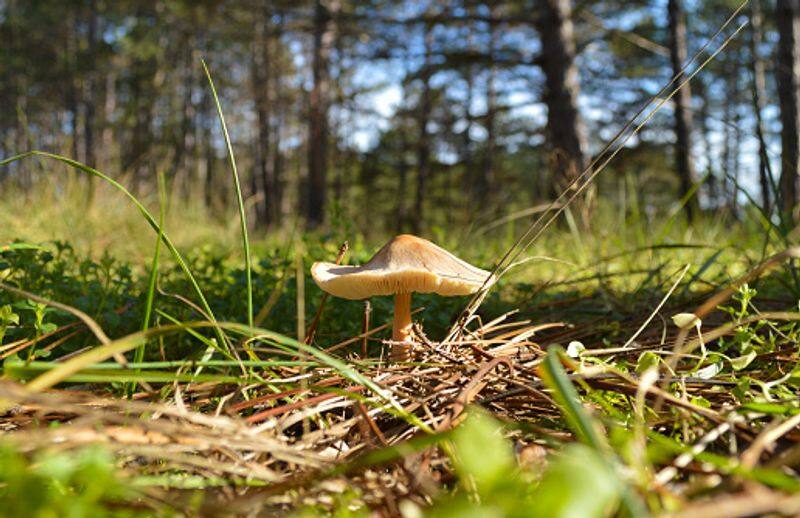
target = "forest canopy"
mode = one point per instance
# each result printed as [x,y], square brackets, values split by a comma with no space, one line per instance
[415,113]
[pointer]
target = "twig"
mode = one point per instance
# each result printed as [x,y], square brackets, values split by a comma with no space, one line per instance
[312,329]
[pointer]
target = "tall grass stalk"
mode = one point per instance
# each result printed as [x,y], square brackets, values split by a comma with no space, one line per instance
[239,200]
[138,356]
[300,281]
[147,216]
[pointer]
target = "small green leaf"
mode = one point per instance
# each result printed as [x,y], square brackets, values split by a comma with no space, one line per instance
[743,361]
[482,452]
[579,483]
[709,371]
[7,316]
[47,328]
[647,360]
[686,320]
[556,379]
[575,348]
[769,408]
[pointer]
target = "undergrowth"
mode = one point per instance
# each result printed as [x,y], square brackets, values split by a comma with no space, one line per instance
[601,290]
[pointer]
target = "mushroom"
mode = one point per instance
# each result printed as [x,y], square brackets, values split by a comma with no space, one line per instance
[404,265]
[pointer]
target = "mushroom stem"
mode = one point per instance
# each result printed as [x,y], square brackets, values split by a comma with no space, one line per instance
[401,326]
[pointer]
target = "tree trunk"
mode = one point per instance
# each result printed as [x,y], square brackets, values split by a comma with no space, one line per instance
[733,167]
[339,157]
[683,105]
[277,167]
[705,136]
[466,147]
[182,140]
[318,117]
[731,134]
[423,141]
[758,91]
[485,184]
[207,146]
[262,175]
[564,127]
[19,84]
[788,21]
[72,93]
[90,97]
[277,204]
[401,211]
[107,133]
[486,178]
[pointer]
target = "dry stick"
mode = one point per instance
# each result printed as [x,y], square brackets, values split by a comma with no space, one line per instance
[365,328]
[771,434]
[371,423]
[90,323]
[683,460]
[589,173]
[16,347]
[371,332]
[273,298]
[300,283]
[312,329]
[730,328]
[234,353]
[281,395]
[616,151]
[266,414]
[520,245]
[279,410]
[657,392]
[275,295]
[93,326]
[472,389]
[658,308]
[750,503]
[629,36]
[55,343]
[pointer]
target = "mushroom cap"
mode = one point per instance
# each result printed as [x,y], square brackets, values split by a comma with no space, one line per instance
[405,264]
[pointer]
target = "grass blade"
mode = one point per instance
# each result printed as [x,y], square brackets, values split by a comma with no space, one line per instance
[145,213]
[20,246]
[152,280]
[564,392]
[239,200]
[581,422]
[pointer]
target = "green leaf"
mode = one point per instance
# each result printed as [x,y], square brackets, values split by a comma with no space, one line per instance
[743,361]
[7,316]
[686,320]
[769,408]
[709,371]
[566,396]
[47,328]
[575,348]
[646,361]
[20,246]
[579,483]
[481,451]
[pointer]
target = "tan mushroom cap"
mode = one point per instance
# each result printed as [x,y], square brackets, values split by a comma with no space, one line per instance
[406,264]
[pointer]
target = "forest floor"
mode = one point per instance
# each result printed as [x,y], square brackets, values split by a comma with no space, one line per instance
[637,367]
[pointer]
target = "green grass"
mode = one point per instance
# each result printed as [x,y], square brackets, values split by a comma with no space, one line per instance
[168,312]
